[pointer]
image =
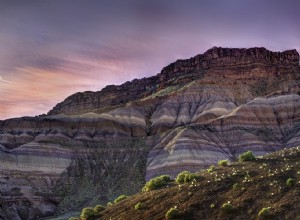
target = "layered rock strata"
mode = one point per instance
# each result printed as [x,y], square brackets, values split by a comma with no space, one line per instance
[195,112]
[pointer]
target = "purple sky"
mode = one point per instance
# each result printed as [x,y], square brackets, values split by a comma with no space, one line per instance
[52,49]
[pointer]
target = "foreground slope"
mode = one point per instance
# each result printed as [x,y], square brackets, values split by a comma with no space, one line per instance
[247,186]
[195,112]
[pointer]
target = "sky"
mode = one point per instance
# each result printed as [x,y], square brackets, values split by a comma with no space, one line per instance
[51,49]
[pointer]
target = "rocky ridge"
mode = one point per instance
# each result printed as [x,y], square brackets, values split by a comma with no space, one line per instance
[195,112]
[233,63]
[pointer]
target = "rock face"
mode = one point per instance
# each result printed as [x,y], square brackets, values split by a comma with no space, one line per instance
[237,63]
[95,146]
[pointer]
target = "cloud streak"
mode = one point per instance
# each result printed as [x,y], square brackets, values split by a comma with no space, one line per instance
[52,49]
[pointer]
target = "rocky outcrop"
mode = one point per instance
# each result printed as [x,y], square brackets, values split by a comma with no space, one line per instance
[227,62]
[95,146]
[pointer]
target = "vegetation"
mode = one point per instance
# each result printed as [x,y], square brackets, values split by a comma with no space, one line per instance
[264,213]
[98,209]
[185,177]
[211,169]
[236,186]
[156,183]
[87,213]
[138,206]
[227,208]
[120,198]
[223,163]
[172,213]
[290,182]
[248,188]
[247,156]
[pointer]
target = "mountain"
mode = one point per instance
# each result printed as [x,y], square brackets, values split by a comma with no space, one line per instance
[94,146]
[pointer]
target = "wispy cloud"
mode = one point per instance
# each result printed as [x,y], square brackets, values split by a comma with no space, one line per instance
[52,49]
[4,81]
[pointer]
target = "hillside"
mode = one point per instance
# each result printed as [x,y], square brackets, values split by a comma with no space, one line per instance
[94,146]
[248,186]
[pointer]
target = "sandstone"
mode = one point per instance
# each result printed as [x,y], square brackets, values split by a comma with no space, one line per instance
[195,112]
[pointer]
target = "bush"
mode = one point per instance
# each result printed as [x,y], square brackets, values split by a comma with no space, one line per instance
[247,156]
[87,213]
[98,209]
[73,218]
[290,182]
[186,176]
[264,213]
[172,213]
[156,183]
[223,163]
[227,208]
[211,169]
[120,198]
[109,204]
[236,186]
[138,206]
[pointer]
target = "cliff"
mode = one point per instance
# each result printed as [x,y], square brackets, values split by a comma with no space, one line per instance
[238,62]
[95,146]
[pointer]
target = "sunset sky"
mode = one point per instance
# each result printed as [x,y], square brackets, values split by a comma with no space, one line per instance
[52,49]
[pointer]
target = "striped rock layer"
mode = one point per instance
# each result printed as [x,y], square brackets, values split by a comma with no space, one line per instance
[95,146]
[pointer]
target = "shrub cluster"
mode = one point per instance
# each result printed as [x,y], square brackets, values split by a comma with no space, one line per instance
[223,163]
[247,156]
[236,186]
[290,182]
[156,183]
[186,176]
[211,169]
[87,213]
[172,213]
[120,198]
[264,213]
[138,206]
[227,208]
[98,209]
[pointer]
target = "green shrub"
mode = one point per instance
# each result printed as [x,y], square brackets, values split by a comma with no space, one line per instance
[138,206]
[264,213]
[172,213]
[211,169]
[156,183]
[290,182]
[247,156]
[87,213]
[73,218]
[223,163]
[227,208]
[236,186]
[109,204]
[186,176]
[99,208]
[120,198]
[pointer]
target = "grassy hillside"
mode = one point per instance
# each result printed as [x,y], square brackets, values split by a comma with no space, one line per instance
[265,188]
